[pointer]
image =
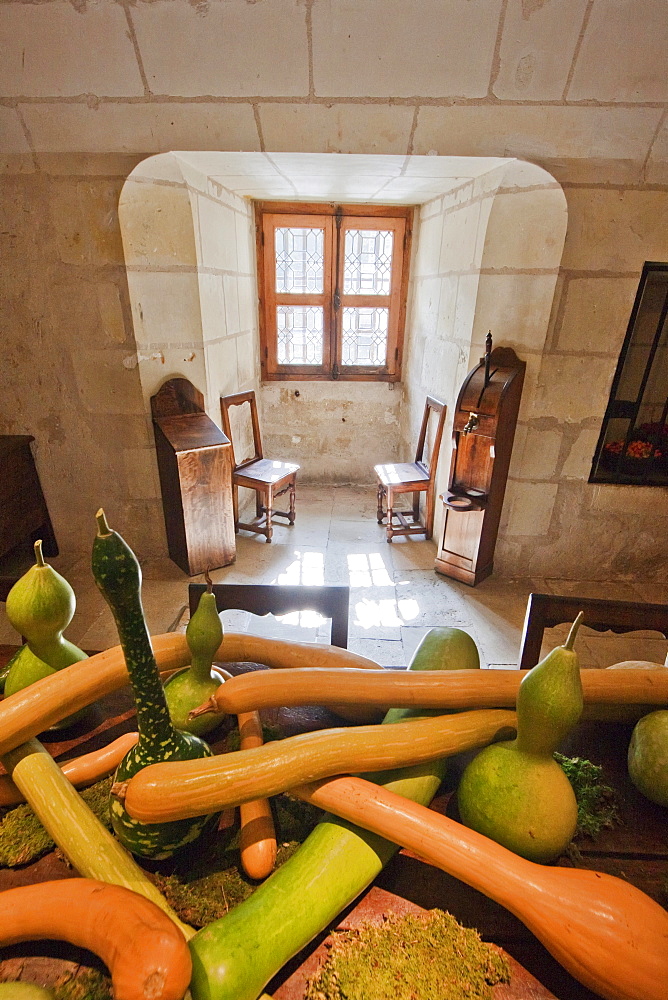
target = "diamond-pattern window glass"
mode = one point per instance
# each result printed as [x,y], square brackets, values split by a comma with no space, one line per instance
[299,335]
[368,262]
[299,261]
[364,336]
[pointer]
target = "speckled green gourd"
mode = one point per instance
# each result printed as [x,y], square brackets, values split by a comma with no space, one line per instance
[515,792]
[195,685]
[40,606]
[118,576]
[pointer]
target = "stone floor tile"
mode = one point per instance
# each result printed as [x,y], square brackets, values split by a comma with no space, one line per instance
[384,652]
[412,552]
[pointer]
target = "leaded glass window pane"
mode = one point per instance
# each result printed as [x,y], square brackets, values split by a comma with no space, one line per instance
[364,336]
[300,260]
[299,335]
[368,262]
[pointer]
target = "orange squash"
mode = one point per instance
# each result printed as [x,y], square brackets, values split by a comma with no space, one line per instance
[257,838]
[454,689]
[609,935]
[180,789]
[29,712]
[147,956]
[79,771]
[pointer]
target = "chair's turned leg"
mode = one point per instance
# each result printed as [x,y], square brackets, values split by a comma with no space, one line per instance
[390,514]
[258,503]
[269,500]
[291,515]
[380,514]
[235,507]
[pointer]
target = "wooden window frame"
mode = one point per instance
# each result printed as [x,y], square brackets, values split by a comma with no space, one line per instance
[337,218]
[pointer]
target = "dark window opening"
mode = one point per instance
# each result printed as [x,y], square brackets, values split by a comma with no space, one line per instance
[633,444]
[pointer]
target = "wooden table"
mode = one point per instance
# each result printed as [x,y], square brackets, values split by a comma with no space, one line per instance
[636,851]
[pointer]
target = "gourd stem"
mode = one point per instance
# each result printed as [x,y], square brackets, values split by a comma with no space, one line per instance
[102,526]
[574,630]
[39,555]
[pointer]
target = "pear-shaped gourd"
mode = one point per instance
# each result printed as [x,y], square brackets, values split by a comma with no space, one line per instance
[191,687]
[40,606]
[515,792]
[117,574]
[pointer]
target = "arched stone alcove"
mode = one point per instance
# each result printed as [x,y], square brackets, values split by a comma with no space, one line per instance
[488,238]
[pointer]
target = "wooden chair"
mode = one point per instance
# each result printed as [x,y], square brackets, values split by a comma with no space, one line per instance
[264,599]
[269,477]
[547,610]
[413,477]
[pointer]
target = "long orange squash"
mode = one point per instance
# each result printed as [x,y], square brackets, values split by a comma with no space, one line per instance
[162,792]
[32,710]
[147,956]
[454,689]
[80,771]
[609,935]
[257,836]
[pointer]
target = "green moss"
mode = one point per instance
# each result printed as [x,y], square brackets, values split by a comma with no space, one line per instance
[85,984]
[203,886]
[598,807]
[409,957]
[23,838]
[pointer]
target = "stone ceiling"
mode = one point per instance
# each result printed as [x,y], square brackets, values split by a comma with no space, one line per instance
[563,83]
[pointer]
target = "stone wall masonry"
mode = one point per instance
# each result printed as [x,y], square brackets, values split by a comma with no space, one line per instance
[577,88]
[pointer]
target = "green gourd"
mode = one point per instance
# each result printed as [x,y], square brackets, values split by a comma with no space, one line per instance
[191,687]
[25,668]
[23,991]
[234,957]
[515,792]
[118,576]
[40,606]
[441,648]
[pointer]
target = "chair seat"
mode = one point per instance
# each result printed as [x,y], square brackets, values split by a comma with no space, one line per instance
[408,474]
[265,470]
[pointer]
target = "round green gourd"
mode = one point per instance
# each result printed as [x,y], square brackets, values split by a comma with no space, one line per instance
[648,756]
[118,576]
[515,792]
[191,687]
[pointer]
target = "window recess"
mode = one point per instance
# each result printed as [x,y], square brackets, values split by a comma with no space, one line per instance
[332,289]
[633,444]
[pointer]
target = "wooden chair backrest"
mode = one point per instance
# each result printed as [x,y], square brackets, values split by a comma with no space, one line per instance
[238,399]
[264,599]
[431,406]
[547,610]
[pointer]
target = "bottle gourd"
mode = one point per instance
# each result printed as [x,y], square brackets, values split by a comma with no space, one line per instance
[118,576]
[515,792]
[191,687]
[40,606]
